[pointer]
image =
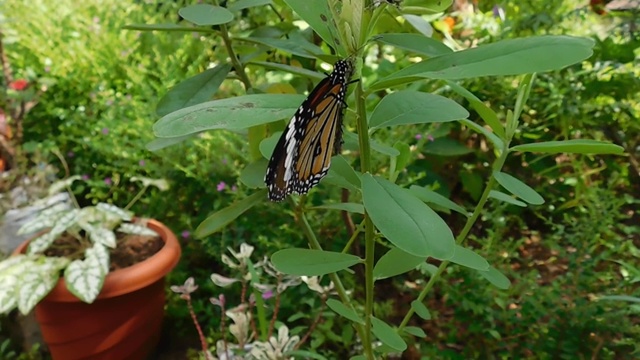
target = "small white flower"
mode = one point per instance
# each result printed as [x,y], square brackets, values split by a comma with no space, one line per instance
[275,348]
[313,283]
[222,281]
[240,327]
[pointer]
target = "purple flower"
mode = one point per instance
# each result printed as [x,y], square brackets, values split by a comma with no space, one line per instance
[221,186]
[224,161]
[105,131]
[141,162]
[234,188]
[430,137]
[71,154]
[85,177]
[267,294]
[418,136]
[185,234]
[108,181]
[47,68]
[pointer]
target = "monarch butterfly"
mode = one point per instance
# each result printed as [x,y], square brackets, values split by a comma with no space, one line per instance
[303,154]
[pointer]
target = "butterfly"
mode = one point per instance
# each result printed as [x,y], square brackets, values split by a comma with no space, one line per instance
[303,154]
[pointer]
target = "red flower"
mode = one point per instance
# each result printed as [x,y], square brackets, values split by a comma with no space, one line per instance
[19,84]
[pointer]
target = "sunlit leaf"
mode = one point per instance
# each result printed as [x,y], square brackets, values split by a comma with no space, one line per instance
[405,220]
[205,14]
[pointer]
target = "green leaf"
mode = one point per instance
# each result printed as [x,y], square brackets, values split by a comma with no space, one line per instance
[402,160]
[415,43]
[84,278]
[158,144]
[432,197]
[236,113]
[194,90]
[498,195]
[405,220]
[497,142]
[222,218]
[506,57]
[37,281]
[387,335]
[115,211]
[295,45]
[245,4]
[352,139]
[350,207]
[496,278]
[421,310]
[518,188]
[414,107]
[41,243]
[395,262]
[415,331]
[103,236]
[419,23]
[167,27]
[296,70]
[445,147]
[310,262]
[303,354]
[316,13]
[253,174]
[344,311]
[11,270]
[627,298]
[204,14]
[466,257]
[576,146]
[489,116]
[340,166]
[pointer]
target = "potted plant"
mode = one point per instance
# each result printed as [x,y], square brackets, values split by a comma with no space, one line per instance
[90,298]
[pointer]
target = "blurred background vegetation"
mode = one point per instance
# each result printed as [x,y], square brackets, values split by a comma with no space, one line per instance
[97,87]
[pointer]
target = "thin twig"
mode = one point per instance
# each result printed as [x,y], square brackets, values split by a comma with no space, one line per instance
[315,323]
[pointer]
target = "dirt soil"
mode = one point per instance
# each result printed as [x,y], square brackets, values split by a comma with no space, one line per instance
[130,249]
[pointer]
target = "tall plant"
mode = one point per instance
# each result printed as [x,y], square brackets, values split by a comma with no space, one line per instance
[402,219]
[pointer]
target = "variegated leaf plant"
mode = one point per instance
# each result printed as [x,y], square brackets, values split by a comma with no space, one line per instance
[26,279]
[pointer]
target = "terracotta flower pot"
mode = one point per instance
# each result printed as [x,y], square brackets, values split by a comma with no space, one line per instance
[124,322]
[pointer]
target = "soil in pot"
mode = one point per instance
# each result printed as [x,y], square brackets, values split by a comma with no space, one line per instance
[131,249]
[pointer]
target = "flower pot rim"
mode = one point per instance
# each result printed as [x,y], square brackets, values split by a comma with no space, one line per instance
[131,278]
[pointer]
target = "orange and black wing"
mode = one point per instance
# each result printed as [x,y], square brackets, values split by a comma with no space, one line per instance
[303,153]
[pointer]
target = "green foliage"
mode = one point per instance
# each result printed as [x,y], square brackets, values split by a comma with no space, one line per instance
[449,130]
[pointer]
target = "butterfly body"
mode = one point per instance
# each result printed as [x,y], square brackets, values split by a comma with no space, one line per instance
[302,156]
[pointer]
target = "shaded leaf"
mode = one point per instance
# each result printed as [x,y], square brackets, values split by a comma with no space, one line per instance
[222,218]
[344,311]
[310,262]
[387,335]
[194,90]
[518,188]
[415,43]
[576,146]
[498,195]
[496,278]
[395,262]
[421,309]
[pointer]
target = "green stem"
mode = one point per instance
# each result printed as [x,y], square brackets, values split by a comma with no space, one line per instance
[136,198]
[315,244]
[369,232]
[353,238]
[499,163]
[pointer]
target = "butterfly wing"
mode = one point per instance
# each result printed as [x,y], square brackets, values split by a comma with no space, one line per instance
[303,153]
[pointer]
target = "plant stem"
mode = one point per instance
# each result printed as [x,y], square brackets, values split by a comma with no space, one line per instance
[136,198]
[369,231]
[203,341]
[463,233]
[314,244]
